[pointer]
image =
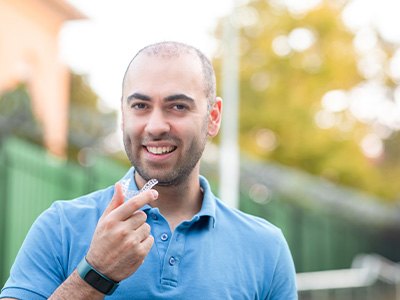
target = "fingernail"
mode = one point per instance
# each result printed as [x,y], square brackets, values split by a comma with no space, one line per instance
[155,194]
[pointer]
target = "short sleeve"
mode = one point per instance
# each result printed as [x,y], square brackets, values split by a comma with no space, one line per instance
[283,286]
[38,268]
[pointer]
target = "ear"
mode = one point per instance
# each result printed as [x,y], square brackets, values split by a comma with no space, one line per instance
[214,118]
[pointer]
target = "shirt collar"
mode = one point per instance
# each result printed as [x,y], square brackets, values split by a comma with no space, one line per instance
[128,181]
[208,207]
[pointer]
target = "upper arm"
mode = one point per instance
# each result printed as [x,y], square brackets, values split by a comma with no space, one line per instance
[38,268]
[283,285]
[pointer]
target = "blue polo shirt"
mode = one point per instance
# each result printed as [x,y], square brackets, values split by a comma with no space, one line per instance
[221,253]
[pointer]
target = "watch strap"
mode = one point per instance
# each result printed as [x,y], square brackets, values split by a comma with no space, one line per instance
[96,279]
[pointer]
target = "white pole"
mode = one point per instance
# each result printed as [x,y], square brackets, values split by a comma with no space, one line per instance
[229,159]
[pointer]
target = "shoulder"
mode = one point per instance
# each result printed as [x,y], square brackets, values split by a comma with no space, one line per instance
[66,224]
[94,202]
[56,242]
[238,218]
[237,223]
[78,214]
[261,245]
[242,216]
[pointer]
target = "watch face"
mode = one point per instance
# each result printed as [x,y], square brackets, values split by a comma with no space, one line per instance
[98,282]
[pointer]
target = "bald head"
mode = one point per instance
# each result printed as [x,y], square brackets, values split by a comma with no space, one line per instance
[174,50]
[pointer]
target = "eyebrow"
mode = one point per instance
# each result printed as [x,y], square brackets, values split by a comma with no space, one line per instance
[139,96]
[179,97]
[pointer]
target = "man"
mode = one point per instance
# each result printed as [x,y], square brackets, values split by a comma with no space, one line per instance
[176,241]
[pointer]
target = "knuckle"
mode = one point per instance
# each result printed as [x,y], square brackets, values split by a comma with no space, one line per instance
[151,240]
[146,228]
[141,199]
[123,233]
[144,248]
[109,223]
[136,202]
[142,215]
[142,252]
[149,243]
[134,241]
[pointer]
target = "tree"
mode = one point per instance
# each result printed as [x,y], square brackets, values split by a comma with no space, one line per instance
[88,125]
[16,116]
[288,65]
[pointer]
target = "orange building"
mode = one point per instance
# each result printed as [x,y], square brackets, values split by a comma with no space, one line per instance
[29,53]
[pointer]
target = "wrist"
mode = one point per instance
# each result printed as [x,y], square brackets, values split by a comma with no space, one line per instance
[76,288]
[96,279]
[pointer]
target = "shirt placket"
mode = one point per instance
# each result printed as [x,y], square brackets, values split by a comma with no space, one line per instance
[173,258]
[170,247]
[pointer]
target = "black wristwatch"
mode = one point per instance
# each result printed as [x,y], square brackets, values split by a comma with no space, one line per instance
[97,280]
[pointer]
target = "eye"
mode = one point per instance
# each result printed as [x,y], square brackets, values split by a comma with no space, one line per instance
[139,106]
[180,107]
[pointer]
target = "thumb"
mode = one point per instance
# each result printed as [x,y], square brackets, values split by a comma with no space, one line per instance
[117,199]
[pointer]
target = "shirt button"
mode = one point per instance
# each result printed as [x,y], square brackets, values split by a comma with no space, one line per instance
[154,216]
[164,237]
[172,260]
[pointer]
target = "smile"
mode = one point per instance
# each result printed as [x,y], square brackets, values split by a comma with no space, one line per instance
[161,150]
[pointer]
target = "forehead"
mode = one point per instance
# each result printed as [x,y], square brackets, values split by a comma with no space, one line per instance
[178,71]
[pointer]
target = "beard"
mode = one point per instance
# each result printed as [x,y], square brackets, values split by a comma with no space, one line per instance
[167,176]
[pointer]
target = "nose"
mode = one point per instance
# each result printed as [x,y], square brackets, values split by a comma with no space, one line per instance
[157,124]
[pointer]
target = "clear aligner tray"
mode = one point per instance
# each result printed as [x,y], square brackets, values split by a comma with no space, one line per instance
[129,193]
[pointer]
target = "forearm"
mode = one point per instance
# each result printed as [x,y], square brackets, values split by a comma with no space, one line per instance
[74,287]
[121,232]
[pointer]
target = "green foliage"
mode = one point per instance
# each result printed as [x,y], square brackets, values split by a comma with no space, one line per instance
[280,96]
[88,125]
[81,93]
[16,116]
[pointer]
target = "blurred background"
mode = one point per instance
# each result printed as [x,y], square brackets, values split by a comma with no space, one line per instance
[310,139]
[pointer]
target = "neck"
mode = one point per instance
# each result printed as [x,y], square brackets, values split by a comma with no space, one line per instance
[180,202]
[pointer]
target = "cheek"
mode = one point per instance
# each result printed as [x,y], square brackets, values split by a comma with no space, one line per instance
[193,130]
[130,128]
[128,122]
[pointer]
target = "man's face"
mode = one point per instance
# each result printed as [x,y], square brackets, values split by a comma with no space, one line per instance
[164,116]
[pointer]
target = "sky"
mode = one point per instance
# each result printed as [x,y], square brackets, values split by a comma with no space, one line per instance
[102,46]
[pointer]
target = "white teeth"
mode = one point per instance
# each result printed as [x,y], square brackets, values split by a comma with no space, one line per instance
[160,150]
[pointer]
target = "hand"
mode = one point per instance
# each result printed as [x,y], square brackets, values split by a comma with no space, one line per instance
[122,237]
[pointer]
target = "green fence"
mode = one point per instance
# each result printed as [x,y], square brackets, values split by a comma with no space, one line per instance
[326,226]
[317,241]
[30,180]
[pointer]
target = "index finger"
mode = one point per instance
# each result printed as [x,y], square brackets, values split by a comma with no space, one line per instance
[126,210]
